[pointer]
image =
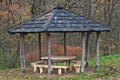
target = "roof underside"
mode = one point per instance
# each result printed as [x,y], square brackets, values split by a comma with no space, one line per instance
[59,20]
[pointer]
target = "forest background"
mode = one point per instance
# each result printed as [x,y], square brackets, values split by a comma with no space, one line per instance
[13,12]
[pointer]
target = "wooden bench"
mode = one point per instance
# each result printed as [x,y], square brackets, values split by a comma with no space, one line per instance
[38,62]
[77,65]
[41,67]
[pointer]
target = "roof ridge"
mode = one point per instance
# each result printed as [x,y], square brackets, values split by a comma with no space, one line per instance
[49,20]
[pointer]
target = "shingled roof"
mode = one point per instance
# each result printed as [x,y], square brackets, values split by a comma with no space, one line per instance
[59,20]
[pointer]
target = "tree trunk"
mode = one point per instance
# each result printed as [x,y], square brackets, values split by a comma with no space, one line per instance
[14,58]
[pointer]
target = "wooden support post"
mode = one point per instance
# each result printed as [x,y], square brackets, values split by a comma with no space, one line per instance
[49,53]
[87,48]
[65,49]
[97,51]
[22,54]
[39,45]
[83,52]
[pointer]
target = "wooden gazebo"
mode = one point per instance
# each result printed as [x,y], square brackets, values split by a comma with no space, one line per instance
[59,20]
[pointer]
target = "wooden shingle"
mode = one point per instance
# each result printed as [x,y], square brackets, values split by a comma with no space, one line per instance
[59,20]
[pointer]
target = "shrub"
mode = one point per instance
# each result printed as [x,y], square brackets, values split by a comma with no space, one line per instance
[56,50]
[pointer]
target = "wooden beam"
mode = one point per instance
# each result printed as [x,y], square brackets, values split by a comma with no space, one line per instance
[39,45]
[83,52]
[97,51]
[87,48]
[65,49]
[49,53]
[22,54]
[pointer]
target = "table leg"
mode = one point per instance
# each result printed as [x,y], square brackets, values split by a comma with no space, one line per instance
[68,62]
[70,67]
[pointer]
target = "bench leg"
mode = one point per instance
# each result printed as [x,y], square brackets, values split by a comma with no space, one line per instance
[35,69]
[65,70]
[41,70]
[77,69]
[59,71]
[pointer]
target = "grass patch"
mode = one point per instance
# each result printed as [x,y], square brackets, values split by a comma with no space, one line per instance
[109,70]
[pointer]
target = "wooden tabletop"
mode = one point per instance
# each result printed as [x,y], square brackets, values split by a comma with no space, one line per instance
[59,57]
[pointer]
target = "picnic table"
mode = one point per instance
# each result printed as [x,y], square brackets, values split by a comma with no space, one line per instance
[60,58]
[67,59]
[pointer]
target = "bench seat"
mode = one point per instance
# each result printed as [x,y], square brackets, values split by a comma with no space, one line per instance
[38,62]
[41,67]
